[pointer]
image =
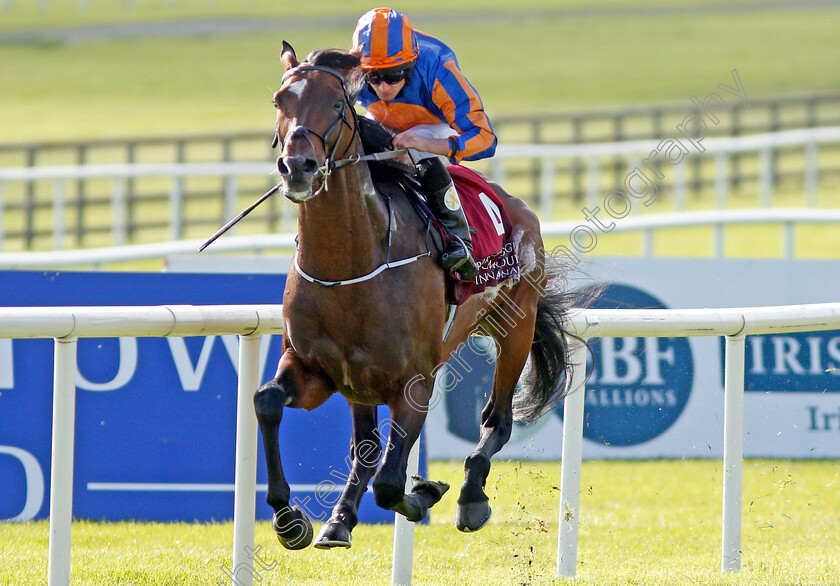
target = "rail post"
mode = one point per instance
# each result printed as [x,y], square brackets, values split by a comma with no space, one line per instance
[245,488]
[61,475]
[402,565]
[733,452]
[570,473]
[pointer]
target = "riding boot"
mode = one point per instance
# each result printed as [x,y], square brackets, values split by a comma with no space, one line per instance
[446,206]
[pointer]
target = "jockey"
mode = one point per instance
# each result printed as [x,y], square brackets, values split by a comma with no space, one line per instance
[415,88]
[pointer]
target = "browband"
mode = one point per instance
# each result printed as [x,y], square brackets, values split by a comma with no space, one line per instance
[304,67]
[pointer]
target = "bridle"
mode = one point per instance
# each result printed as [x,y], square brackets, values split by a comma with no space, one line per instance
[331,164]
[341,120]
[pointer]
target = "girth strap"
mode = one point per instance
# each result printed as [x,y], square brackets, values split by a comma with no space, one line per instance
[381,268]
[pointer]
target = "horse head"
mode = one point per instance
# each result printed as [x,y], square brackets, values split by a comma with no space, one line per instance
[316,121]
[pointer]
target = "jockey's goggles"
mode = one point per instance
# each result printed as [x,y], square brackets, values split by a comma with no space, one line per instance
[389,76]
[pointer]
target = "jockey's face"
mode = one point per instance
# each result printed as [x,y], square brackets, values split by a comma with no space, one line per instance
[386,91]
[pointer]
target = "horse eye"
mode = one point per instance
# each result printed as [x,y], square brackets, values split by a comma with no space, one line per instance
[339,104]
[275,99]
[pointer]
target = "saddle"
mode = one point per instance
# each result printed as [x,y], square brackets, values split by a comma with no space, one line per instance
[492,233]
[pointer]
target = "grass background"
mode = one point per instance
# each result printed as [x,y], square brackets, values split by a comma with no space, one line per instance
[534,56]
[651,523]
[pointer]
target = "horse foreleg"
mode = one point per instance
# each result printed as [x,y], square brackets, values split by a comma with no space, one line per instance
[290,387]
[365,451]
[389,483]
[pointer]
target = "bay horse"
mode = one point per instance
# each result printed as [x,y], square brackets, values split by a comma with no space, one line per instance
[365,309]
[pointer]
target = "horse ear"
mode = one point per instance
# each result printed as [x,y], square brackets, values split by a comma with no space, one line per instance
[288,57]
[354,75]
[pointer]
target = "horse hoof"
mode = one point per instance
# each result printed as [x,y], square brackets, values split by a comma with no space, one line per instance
[430,490]
[471,517]
[293,528]
[333,535]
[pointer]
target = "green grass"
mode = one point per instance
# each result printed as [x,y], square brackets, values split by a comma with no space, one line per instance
[18,14]
[544,60]
[171,85]
[651,523]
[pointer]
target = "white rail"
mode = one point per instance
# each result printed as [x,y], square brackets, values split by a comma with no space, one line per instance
[590,155]
[647,224]
[730,145]
[735,324]
[98,257]
[720,148]
[67,324]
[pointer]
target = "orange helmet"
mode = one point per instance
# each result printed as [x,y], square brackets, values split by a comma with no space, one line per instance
[386,38]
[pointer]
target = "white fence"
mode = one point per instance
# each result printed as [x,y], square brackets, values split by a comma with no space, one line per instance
[85,5]
[66,325]
[593,156]
[720,149]
[789,219]
[735,324]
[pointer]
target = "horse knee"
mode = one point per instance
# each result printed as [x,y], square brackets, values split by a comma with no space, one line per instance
[269,400]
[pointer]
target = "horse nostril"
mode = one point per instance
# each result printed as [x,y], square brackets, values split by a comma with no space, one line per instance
[297,166]
[310,166]
[281,166]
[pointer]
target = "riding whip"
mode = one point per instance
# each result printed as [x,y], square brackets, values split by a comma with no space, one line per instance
[329,167]
[241,215]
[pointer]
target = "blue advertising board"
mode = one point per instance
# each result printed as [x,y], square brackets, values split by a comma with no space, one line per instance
[155,417]
[663,397]
[637,387]
[807,362]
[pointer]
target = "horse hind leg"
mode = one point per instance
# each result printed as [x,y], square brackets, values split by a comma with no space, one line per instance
[365,451]
[389,482]
[514,345]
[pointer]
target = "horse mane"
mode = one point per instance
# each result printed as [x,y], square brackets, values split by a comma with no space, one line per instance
[343,61]
[334,58]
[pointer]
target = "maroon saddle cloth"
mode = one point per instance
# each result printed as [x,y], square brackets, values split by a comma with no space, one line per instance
[492,240]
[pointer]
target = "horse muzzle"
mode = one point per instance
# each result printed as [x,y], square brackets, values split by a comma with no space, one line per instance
[298,176]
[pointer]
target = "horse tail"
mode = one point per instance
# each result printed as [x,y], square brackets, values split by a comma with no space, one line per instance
[548,373]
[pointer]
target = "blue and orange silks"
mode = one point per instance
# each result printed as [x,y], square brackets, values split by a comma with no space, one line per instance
[437,92]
